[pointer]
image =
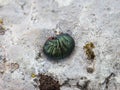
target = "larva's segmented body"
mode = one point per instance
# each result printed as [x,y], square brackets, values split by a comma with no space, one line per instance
[59,47]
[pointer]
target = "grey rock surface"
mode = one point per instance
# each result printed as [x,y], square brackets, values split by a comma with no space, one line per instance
[29,23]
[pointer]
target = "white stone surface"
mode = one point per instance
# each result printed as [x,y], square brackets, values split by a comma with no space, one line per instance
[30,22]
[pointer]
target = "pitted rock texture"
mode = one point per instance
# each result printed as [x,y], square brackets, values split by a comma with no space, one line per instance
[28,24]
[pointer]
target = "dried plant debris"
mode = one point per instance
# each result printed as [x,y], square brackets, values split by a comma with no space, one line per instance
[2,29]
[88,50]
[90,56]
[107,80]
[47,83]
[1,21]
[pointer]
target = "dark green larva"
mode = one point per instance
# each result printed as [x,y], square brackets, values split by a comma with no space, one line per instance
[59,47]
